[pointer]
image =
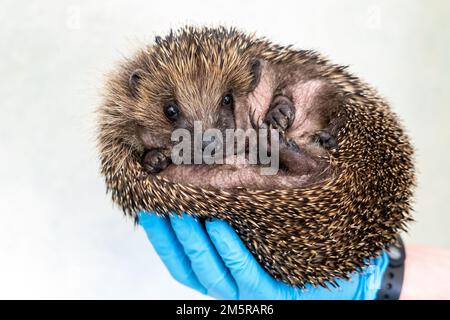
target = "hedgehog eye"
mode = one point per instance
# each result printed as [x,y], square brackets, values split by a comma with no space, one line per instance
[171,111]
[227,100]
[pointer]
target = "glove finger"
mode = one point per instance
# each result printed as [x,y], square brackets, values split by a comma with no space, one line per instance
[206,263]
[161,235]
[360,286]
[255,283]
[252,280]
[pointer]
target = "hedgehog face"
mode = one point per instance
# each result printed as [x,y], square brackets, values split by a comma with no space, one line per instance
[175,84]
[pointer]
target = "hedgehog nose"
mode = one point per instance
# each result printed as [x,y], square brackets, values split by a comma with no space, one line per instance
[213,143]
[206,142]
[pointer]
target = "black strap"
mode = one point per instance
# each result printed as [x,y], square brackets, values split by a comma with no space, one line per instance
[392,282]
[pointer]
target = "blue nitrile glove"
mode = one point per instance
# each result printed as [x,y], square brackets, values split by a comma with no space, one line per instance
[216,263]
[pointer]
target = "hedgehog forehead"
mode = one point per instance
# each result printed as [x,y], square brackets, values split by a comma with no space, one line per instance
[197,74]
[199,93]
[190,83]
[198,62]
[200,55]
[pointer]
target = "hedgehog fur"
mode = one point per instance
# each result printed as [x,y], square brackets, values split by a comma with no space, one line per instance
[310,234]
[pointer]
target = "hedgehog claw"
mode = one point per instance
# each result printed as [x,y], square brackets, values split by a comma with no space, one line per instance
[154,161]
[256,123]
[253,120]
[290,144]
[327,140]
[282,114]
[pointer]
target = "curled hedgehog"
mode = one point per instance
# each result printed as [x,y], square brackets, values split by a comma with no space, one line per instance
[346,178]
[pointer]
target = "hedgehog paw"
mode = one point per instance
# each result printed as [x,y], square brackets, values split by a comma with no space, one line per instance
[281,115]
[155,161]
[327,140]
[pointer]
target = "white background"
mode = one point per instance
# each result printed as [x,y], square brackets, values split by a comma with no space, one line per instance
[60,236]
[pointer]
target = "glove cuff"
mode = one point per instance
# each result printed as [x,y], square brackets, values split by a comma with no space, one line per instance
[393,277]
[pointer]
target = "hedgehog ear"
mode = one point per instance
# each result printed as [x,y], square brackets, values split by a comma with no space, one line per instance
[158,40]
[133,81]
[255,69]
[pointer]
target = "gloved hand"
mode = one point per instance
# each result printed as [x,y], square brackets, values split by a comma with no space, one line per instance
[214,261]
